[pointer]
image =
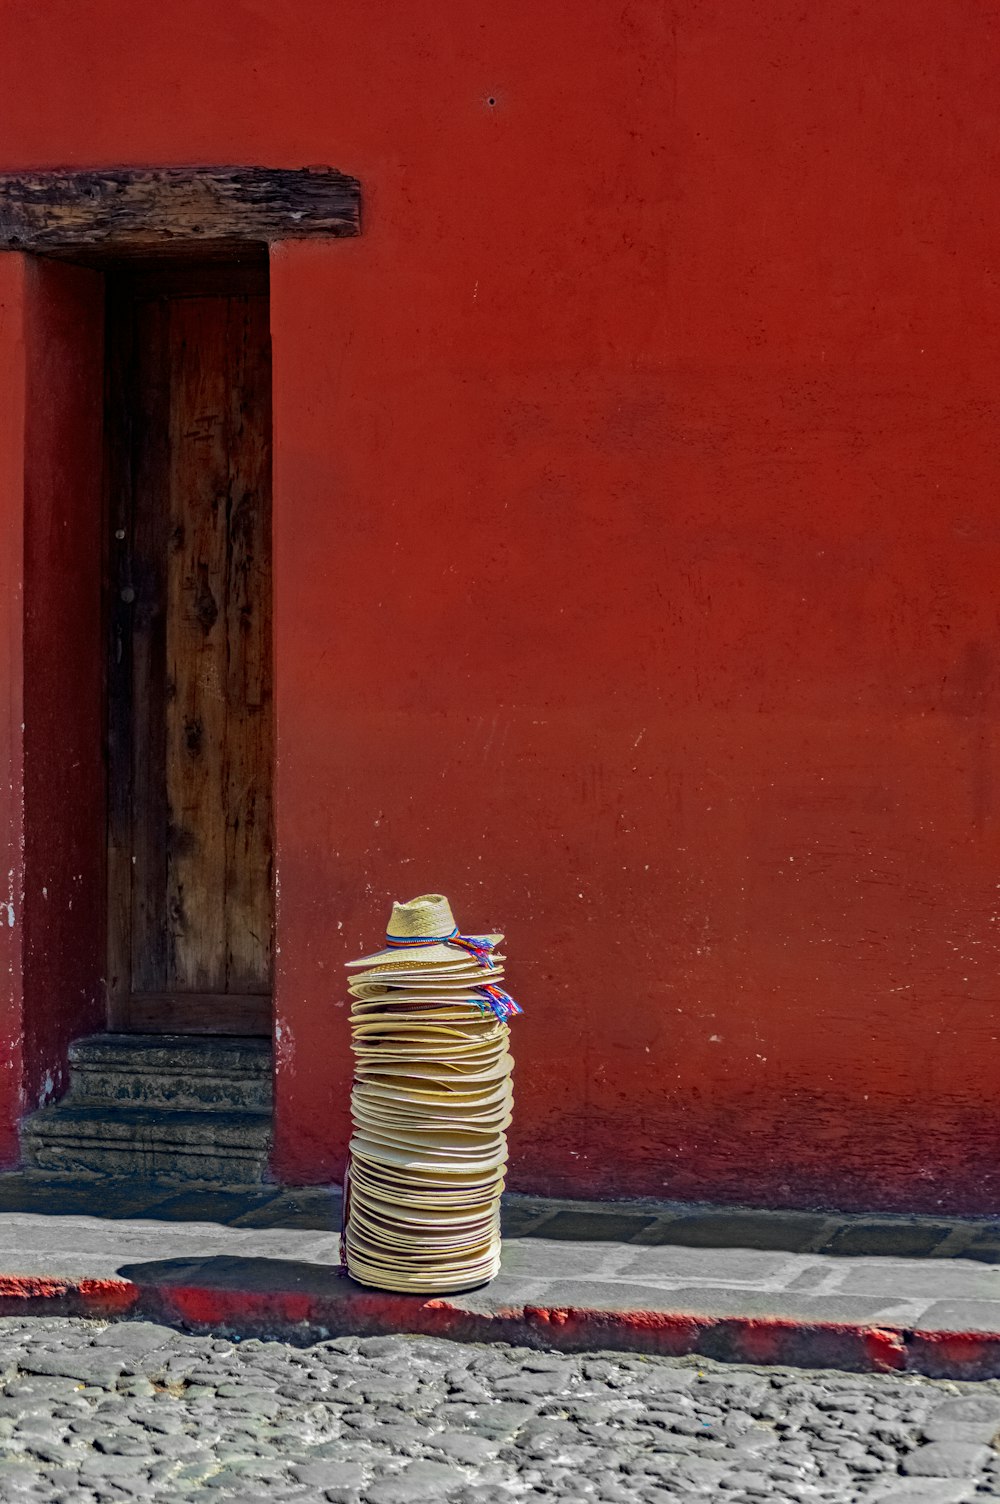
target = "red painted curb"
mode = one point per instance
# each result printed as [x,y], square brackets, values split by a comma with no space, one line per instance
[304,1315]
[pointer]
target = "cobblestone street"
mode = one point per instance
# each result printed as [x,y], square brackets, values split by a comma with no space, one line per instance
[136,1410]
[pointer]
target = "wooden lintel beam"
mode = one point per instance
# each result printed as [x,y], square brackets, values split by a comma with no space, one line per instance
[155,208]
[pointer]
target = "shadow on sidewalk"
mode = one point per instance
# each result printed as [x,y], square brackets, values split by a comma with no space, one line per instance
[839,1234]
[317,1208]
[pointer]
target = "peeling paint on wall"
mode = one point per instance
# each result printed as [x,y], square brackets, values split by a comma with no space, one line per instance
[284,1046]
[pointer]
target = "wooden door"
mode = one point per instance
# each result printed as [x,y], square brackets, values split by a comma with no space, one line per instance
[190,712]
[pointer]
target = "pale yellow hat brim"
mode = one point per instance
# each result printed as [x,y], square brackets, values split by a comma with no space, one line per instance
[409,1281]
[398,978]
[423,1184]
[428,955]
[389,1072]
[460,1203]
[412,1263]
[445,1163]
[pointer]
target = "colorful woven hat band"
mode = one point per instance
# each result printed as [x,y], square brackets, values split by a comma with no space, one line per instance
[434,906]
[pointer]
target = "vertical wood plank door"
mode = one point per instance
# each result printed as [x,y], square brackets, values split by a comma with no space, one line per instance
[190,704]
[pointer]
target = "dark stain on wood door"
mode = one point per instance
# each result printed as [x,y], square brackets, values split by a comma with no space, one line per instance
[189,689]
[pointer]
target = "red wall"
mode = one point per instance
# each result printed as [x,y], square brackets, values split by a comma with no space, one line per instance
[636,550]
[12,379]
[63,686]
[51,722]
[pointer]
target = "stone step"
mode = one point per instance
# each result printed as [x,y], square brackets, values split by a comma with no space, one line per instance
[214,1147]
[175,1071]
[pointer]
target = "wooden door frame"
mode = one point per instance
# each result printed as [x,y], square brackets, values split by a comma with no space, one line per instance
[137,296]
[125,211]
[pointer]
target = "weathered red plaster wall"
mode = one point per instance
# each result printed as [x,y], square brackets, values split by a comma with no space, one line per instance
[64,779]
[51,721]
[12,375]
[637,546]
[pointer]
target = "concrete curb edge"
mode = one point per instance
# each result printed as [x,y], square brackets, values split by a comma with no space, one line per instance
[303,1316]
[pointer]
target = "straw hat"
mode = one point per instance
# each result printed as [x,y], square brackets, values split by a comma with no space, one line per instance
[431,1099]
[415,926]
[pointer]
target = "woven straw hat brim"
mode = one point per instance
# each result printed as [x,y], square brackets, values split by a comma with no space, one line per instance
[484,1032]
[404,965]
[392,983]
[404,1078]
[443,1262]
[397,1180]
[405,1199]
[496,1119]
[407,1276]
[392,1047]
[411,1282]
[458,1222]
[373,1279]
[381,1202]
[466,991]
[461,1144]
[434,1114]
[462,964]
[446,1057]
[407,1026]
[448,1053]
[398,1074]
[423,1183]
[463,999]
[480,1026]
[449,1103]
[410,1048]
[377,1206]
[427,1251]
[443,1077]
[437,1238]
[457,1089]
[483,1094]
[428,955]
[444,1047]
[445,1164]
[431,1250]
[431,1013]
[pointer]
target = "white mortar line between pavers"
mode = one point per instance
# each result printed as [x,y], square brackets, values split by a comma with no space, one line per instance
[798,1264]
[836,1270]
[617,1255]
[905,1313]
[823,1235]
[779,1279]
[766,1284]
[601,1268]
[957,1240]
[696,1282]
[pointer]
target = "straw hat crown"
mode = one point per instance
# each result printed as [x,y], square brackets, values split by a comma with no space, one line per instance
[428,917]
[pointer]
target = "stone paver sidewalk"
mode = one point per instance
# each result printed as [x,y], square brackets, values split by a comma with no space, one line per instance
[904,1293]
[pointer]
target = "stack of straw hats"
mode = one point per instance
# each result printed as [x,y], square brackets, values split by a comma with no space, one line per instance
[432,1096]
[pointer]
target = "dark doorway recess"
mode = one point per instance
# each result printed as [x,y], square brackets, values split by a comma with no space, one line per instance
[189,680]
